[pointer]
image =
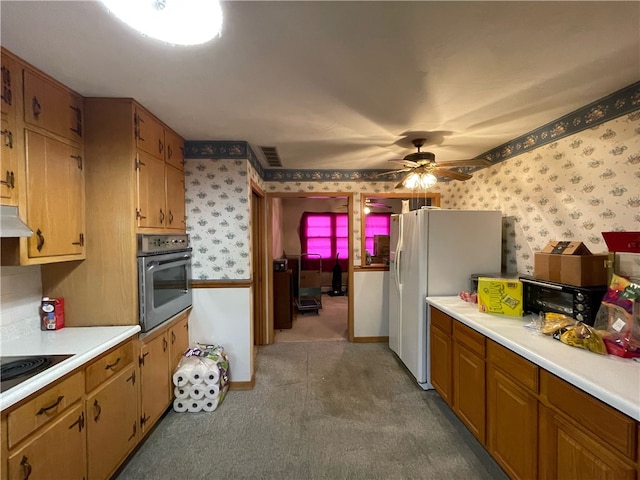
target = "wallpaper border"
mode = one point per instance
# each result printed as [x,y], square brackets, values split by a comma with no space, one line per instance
[621,102]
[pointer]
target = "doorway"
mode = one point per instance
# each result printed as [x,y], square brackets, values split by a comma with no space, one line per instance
[320,310]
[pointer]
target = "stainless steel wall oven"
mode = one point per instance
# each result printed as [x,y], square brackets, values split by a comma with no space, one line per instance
[164,277]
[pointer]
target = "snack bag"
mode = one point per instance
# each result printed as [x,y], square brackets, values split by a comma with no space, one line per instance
[616,321]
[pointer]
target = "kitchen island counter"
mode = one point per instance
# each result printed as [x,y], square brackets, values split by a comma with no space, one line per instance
[611,379]
[84,343]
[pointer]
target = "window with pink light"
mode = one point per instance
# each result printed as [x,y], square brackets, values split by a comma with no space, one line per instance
[325,234]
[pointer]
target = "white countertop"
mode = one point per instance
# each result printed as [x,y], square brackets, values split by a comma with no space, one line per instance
[85,343]
[614,380]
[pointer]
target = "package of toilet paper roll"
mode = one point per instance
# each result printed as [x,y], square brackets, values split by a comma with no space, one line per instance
[201,379]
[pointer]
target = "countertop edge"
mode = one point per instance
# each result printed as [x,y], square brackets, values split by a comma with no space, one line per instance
[38,382]
[571,376]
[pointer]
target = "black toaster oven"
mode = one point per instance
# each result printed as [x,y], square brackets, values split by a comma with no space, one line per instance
[581,303]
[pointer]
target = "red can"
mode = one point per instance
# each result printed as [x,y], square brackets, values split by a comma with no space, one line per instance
[52,313]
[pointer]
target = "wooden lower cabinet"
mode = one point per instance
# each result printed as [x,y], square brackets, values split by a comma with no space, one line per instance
[469,389]
[440,351]
[57,451]
[178,341]
[155,381]
[112,423]
[569,452]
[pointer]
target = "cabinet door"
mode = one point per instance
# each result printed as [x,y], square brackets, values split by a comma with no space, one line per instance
[512,425]
[57,451]
[440,352]
[174,154]
[469,389]
[8,167]
[112,423]
[49,106]
[179,341]
[10,75]
[175,199]
[55,197]
[567,452]
[151,191]
[149,133]
[155,385]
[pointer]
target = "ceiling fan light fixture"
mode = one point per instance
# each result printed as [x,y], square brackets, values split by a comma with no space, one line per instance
[367,210]
[178,22]
[420,181]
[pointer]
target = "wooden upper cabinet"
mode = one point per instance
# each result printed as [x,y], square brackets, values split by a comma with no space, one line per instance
[149,133]
[174,149]
[10,75]
[151,210]
[55,192]
[175,219]
[49,106]
[8,163]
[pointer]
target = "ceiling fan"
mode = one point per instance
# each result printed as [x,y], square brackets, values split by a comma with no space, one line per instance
[423,169]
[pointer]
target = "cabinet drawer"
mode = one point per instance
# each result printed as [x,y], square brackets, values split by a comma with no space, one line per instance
[440,320]
[518,368]
[44,408]
[469,337]
[108,365]
[608,424]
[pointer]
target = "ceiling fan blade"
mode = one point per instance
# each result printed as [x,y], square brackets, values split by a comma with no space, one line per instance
[465,163]
[400,183]
[391,172]
[443,172]
[377,205]
[406,163]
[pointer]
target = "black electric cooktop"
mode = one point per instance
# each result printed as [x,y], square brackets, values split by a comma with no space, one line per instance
[17,369]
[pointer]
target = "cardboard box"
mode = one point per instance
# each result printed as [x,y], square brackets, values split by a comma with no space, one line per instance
[381,245]
[577,270]
[566,248]
[500,295]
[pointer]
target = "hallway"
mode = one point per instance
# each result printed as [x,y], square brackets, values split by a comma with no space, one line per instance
[329,325]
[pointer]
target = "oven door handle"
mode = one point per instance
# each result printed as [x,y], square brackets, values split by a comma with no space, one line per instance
[168,263]
[541,284]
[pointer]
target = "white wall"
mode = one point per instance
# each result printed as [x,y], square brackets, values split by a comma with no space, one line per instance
[20,297]
[222,316]
[371,304]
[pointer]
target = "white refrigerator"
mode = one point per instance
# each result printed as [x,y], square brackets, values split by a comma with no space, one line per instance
[433,252]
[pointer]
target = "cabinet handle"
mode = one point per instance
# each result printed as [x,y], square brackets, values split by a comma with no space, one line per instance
[98,410]
[141,359]
[139,215]
[132,378]
[111,366]
[77,158]
[161,216]
[135,428]
[80,240]
[173,338]
[26,467]
[79,422]
[170,217]
[40,240]
[53,405]
[165,344]
[8,138]
[160,146]
[7,96]
[36,107]
[143,420]
[169,152]
[78,129]
[10,181]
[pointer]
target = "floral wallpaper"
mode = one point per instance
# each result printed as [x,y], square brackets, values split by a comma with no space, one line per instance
[218,218]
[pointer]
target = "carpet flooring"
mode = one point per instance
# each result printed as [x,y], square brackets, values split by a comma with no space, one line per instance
[330,324]
[319,410]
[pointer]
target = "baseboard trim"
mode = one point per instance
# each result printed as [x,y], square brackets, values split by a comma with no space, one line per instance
[243,385]
[370,339]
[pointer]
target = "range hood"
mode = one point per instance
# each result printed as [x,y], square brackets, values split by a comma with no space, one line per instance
[10,223]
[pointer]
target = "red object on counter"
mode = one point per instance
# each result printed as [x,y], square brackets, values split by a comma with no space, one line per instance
[52,313]
[471,297]
[620,242]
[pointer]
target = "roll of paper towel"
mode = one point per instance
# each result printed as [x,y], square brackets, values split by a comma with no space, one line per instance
[212,376]
[212,391]
[197,373]
[196,392]
[210,405]
[180,405]
[195,405]
[181,375]
[181,392]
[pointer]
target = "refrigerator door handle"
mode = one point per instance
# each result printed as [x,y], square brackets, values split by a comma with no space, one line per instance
[398,269]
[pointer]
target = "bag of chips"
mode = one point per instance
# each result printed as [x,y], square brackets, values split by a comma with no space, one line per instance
[618,318]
